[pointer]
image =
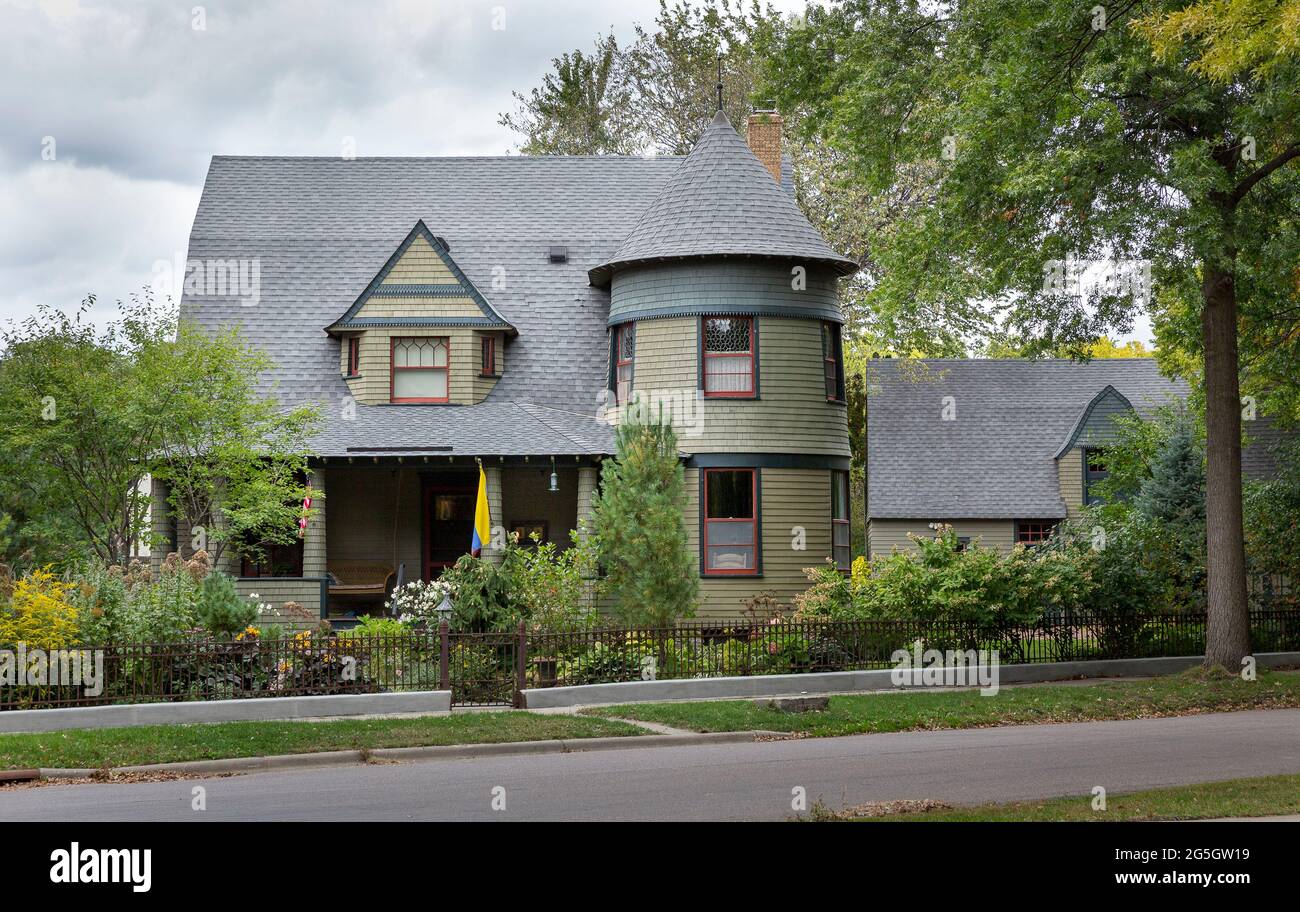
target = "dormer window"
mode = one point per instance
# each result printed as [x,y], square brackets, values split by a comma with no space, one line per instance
[728,357]
[420,370]
[488,356]
[354,356]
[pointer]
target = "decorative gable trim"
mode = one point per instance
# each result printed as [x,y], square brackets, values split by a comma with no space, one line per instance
[1108,393]
[462,287]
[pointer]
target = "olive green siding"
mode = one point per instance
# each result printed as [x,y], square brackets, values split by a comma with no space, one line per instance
[884,535]
[466,384]
[790,500]
[791,414]
[1069,469]
[724,286]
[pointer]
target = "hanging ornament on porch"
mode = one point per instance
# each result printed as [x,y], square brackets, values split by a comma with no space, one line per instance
[306,509]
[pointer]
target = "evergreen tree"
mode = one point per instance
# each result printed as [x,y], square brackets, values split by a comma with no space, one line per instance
[1174,493]
[638,527]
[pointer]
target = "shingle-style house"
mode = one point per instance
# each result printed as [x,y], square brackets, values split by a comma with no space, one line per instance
[447,312]
[1003,450]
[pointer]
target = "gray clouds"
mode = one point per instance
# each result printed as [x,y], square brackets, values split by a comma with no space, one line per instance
[137,99]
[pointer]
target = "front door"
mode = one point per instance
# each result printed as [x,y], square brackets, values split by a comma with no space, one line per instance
[448,523]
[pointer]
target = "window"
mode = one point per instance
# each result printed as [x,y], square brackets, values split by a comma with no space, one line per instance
[624,355]
[963,542]
[1095,468]
[354,356]
[729,356]
[1033,531]
[275,560]
[420,370]
[730,521]
[489,356]
[832,362]
[840,534]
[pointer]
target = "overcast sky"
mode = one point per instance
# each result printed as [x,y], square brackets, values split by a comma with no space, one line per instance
[110,111]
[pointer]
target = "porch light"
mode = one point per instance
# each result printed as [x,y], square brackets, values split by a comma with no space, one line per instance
[555,479]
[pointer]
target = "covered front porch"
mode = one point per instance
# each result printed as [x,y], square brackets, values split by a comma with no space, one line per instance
[386,520]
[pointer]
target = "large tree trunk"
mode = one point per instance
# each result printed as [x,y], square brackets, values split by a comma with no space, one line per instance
[1227,632]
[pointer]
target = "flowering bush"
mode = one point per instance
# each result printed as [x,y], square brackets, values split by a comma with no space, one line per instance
[39,613]
[416,603]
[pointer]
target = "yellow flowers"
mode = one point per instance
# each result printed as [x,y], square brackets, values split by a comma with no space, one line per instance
[39,613]
[249,633]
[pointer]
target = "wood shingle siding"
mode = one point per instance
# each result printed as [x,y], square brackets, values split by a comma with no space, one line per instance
[788,499]
[1070,469]
[884,535]
[791,414]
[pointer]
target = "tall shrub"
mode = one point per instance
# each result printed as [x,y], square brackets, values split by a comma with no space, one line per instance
[638,527]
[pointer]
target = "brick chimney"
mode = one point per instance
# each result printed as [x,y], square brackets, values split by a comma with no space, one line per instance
[763,133]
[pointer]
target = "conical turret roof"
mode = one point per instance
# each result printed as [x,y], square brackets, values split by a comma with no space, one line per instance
[722,201]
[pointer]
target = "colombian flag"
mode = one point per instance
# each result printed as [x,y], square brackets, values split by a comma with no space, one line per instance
[482,522]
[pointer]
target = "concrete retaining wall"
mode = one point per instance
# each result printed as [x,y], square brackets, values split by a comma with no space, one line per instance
[850,681]
[257,709]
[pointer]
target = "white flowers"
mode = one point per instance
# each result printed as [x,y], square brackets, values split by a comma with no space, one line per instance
[418,601]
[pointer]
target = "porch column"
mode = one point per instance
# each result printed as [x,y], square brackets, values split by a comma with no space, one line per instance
[586,491]
[497,522]
[162,531]
[313,546]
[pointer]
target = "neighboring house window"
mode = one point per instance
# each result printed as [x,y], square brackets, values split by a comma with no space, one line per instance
[833,362]
[1095,468]
[730,521]
[354,356]
[1033,531]
[420,370]
[489,355]
[624,356]
[840,534]
[729,356]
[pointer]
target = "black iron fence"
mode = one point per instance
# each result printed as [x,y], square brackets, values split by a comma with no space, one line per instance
[494,668]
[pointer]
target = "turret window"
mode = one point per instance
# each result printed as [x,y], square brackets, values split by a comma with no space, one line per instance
[624,356]
[833,362]
[730,521]
[420,370]
[841,537]
[729,357]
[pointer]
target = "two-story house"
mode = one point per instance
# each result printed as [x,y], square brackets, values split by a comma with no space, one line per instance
[447,313]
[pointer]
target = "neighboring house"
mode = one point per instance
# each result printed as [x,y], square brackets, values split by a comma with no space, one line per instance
[451,311]
[1003,450]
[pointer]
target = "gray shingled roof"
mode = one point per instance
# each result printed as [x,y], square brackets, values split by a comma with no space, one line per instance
[995,461]
[722,201]
[320,229]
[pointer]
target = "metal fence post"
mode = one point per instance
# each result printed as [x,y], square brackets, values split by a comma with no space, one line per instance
[444,656]
[521,666]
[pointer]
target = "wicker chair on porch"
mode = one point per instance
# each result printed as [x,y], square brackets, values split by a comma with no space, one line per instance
[360,580]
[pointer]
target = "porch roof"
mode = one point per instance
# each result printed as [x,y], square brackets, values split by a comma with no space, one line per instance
[486,429]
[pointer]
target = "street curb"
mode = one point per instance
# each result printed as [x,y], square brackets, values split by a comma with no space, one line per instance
[400,754]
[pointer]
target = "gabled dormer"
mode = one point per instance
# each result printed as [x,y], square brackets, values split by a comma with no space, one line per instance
[421,332]
[1081,460]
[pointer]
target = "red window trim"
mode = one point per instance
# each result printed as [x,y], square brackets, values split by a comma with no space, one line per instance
[705,355]
[393,368]
[841,481]
[620,362]
[753,520]
[354,356]
[489,352]
[1036,531]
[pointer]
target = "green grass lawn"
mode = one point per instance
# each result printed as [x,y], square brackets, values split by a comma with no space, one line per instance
[1172,695]
[1235,798]
[109,747]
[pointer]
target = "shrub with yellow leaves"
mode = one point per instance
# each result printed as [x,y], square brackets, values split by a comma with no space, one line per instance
[39,613]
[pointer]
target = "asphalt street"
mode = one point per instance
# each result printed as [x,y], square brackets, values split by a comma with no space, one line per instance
[748,781]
